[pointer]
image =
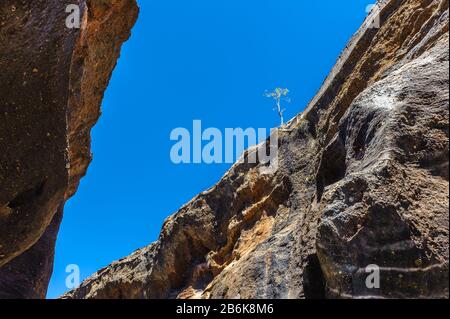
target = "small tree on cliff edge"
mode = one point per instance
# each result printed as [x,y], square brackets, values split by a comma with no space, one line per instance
[278,95]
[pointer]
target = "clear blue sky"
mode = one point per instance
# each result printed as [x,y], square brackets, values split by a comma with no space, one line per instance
[202,59]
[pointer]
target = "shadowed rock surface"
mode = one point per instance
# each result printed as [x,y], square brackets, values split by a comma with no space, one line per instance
[362,180]
[52,81]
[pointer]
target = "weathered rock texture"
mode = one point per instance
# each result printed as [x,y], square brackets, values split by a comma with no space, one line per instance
[52,80]
[362,180]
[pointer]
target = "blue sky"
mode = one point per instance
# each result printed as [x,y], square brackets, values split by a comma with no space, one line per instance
[210,60]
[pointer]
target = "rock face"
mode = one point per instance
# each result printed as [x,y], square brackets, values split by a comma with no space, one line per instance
[52,81]
[362,183]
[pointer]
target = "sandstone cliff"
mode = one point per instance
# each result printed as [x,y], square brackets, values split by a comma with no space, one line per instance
[362,179]
[52,81]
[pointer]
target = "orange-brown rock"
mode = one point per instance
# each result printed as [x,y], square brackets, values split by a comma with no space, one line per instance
[362,180]
[52,81]
[362,177]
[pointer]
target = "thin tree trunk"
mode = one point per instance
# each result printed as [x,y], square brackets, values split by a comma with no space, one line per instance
[279,112]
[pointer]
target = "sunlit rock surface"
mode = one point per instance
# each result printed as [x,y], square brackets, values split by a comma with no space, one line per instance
[362,180]
[52,80]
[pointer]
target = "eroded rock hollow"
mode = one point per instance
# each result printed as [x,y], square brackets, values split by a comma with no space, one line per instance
[362,178]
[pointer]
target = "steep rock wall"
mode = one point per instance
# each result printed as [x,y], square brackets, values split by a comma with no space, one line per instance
[52,81]
[362,180]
